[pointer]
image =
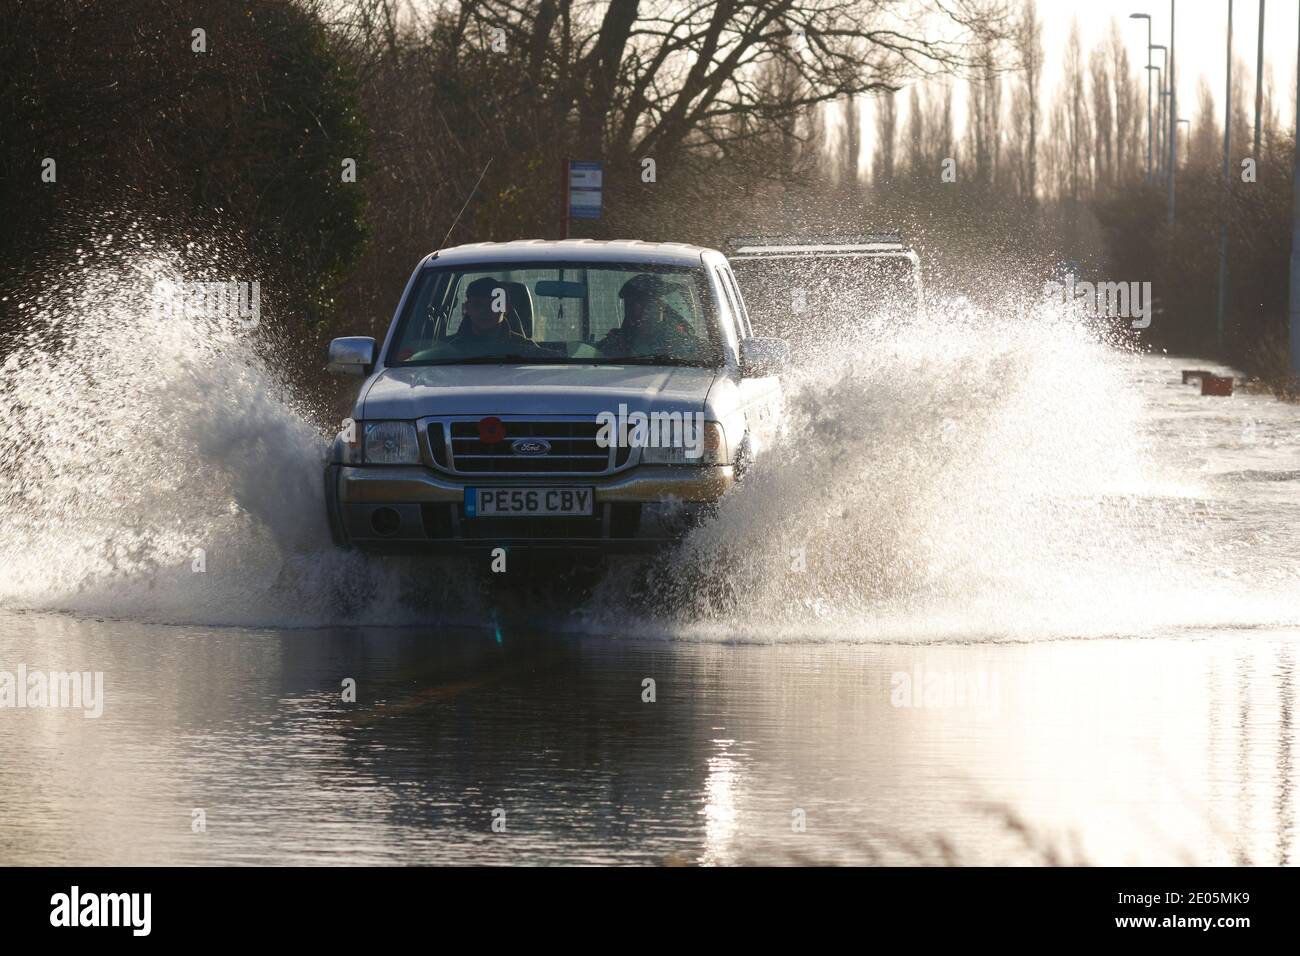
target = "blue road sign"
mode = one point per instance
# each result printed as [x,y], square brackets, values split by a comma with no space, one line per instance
[585,181]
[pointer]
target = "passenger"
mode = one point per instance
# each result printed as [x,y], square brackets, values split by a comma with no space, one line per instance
[650,326]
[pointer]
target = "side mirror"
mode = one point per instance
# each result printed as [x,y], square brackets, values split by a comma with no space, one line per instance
[353,355]
[763,356]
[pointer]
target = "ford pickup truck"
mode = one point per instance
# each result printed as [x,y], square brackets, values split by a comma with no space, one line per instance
[575,394]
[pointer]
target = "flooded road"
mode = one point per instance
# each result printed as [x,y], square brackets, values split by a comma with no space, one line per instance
[1177,750]
[1005,595]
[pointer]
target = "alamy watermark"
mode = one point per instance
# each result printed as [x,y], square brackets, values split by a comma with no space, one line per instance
[235,302]
[1117,300]
[56,689]
[75,908]
[922,688]
[626,429]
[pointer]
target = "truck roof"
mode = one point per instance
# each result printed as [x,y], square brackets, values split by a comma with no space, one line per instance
[876,244]
[592,250]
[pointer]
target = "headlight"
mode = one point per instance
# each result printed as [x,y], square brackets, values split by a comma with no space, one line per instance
[391,443]
[709,448]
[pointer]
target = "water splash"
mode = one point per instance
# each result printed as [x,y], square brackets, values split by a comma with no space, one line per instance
[981,474]
[158,467]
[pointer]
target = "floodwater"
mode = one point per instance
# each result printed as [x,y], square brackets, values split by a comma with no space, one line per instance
[1005,595]
[1168,750]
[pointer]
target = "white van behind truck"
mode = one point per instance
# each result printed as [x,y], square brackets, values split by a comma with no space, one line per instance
[552,394]
[801,289]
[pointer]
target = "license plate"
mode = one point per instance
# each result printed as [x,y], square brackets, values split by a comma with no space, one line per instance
[527,502]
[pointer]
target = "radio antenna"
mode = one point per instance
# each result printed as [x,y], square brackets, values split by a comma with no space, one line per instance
[467,199]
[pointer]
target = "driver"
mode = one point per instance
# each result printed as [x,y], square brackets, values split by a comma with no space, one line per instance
[485,331]
[650,326]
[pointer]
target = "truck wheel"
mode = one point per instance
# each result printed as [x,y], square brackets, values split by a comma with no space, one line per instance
[332,512]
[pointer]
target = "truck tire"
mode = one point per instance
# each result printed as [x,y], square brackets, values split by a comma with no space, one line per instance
[332,512]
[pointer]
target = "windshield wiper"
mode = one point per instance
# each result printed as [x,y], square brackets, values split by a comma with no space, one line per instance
[659,359]
[502,360]
[557,359]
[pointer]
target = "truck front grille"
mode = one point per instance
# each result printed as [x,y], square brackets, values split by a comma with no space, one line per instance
[573,449]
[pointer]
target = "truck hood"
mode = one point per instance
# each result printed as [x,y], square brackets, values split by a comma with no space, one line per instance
[416,391]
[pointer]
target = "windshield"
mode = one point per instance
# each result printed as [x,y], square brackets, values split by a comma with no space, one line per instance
[572,313]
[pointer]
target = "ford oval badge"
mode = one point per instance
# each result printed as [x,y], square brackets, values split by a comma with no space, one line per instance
[531,446]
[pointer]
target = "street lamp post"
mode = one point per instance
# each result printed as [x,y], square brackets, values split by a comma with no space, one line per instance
[1224,200]
[1173,114]
[1147,18]
[1188,123]
[1294,309]
[1161,126]
[1259,83]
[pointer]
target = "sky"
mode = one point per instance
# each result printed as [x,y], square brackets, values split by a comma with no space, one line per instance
[1200,43]
[1200,49]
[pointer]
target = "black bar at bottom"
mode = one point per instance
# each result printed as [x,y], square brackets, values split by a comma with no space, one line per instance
[330,905]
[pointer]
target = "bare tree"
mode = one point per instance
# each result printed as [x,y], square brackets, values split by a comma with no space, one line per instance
[1017,148]
[1205,145]
[658,77]
[940,128]
[1028,40]
[985,109]
[1243,133]
[850,143]
[794,137]
[1102,120]
[1074,135]
[886,139]
[1130,114]
[917,157]
[1268,113]
[929,130]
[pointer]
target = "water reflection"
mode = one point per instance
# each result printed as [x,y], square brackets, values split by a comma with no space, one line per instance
[1174,750]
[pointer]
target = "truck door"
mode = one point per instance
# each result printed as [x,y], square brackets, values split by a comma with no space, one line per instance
[760,396]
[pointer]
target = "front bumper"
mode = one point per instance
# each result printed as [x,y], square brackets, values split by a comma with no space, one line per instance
[402,509]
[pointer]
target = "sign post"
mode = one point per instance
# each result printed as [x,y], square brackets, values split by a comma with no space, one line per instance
[564,199]
[583,184]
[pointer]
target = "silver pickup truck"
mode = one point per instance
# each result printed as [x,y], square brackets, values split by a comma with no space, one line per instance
[566,394]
